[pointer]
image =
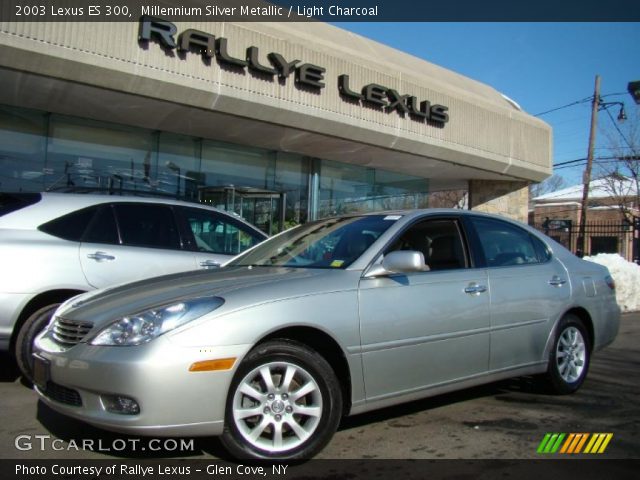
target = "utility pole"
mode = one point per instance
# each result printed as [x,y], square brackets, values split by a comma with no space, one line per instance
[586,179]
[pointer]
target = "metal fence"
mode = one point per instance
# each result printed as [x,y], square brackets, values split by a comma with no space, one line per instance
[601,237]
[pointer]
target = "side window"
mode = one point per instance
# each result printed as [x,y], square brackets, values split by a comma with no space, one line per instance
[102,228]
[71,226]
[215,233]
[439,241]
[147,225]
[504,244]
[542,251]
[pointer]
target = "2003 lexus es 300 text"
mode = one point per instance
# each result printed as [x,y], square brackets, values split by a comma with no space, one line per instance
[332,318]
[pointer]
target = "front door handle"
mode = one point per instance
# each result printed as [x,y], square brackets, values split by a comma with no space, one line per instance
[475,289]
[100,256]
[210,264]
[556,281]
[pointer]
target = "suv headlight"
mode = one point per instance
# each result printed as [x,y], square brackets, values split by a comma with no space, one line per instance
[149,324]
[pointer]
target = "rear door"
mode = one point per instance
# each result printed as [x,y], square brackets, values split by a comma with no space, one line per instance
[529,290]
[132,241]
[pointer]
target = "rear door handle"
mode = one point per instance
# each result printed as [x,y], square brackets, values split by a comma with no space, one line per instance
[210,264]
[475,289]
[556,281]
[100,256]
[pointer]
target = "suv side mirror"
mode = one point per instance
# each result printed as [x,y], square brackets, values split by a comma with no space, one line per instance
[400,261]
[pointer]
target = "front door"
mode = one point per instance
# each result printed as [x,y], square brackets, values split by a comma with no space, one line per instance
[427,328]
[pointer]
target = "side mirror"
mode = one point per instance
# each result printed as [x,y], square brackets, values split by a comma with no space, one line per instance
[400,261]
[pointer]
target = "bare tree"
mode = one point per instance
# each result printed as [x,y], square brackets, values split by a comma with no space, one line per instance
[449,199]
[620,174]
[553,183]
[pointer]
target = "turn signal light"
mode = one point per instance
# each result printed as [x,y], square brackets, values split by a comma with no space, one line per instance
[211,365]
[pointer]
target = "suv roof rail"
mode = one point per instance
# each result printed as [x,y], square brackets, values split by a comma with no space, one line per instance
[118,191]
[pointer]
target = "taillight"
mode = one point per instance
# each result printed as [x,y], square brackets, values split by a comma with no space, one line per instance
[610,282]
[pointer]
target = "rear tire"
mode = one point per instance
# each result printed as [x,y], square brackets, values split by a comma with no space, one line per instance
[569,357]
[27,334]
[284,403]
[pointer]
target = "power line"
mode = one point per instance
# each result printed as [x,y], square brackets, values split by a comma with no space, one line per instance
[581,161]
[584,100]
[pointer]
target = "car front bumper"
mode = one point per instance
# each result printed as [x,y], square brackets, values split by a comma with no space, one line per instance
[173,401]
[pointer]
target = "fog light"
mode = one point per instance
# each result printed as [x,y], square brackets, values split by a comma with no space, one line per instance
[120,404]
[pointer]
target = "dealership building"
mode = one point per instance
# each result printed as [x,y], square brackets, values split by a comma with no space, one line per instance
[281,122]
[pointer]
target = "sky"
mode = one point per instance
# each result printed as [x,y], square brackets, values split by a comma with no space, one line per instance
[541,66]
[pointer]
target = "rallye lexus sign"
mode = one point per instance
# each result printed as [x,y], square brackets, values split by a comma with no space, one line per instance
[306,74]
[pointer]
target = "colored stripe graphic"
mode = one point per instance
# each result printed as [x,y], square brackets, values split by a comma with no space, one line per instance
[598,442]
[550,443]
[574,443]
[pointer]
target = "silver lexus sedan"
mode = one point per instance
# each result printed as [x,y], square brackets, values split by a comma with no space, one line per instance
[333,318]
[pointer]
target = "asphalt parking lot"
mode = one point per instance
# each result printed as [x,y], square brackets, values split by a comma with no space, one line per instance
[505,420]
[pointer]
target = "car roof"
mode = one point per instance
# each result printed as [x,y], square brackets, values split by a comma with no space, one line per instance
[418,212]
[410,215]
[54,205]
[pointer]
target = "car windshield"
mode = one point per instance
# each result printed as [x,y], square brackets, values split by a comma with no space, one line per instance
[330,243]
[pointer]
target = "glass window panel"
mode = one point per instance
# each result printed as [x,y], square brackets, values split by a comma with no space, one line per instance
[70,226]
[147,225]
[292,178]
[346,188]
[178,168]
[22,150]
[439,241]
[213,233]
[225,164]
[504,244]
[103,228]
[88,154]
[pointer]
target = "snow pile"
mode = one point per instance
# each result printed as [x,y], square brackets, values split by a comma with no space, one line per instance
[627,278]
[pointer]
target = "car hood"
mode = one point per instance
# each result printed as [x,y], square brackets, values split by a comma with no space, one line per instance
[240,287]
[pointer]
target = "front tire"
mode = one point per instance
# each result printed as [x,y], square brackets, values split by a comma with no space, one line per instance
[30,329]
[570,356]
[284,403]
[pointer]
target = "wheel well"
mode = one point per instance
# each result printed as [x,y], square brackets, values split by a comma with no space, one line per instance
[36,303]
[583,315]
[325,346]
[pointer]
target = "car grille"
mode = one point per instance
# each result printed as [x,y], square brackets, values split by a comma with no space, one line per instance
[70,332]
[62,394]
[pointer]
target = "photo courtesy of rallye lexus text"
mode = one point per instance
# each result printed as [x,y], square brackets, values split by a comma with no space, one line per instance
[96,470]
[332,318]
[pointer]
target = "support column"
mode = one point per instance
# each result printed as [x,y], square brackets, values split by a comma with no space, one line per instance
[507,198]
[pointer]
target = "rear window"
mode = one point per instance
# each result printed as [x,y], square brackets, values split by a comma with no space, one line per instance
[10,202]
[71,226]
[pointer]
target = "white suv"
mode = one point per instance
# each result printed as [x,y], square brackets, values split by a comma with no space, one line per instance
[54,246]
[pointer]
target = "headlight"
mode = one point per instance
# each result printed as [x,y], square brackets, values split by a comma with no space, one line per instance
[149,324]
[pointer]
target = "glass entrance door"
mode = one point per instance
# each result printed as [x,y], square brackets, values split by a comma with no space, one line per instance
[262,208]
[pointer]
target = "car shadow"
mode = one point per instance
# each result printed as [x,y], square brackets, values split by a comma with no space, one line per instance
[527,384]
[89,438]
[9,371]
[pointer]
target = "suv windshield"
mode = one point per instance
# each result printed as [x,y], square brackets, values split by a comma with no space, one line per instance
[331,243]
